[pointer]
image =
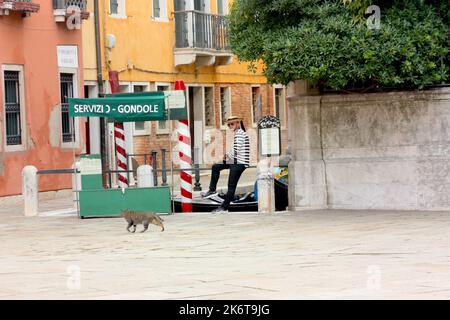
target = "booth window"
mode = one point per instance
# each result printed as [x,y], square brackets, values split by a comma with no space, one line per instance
[12,108]
[68,124]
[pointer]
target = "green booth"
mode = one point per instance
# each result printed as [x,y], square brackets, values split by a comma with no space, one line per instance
[96,201]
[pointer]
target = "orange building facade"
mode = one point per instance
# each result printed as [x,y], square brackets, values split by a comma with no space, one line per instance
[40,67]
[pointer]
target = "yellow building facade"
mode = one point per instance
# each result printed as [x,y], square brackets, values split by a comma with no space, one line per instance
[153,43]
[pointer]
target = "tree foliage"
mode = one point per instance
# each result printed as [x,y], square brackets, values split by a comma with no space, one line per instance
[328,41]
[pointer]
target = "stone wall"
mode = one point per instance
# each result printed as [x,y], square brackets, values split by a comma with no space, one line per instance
[370,151]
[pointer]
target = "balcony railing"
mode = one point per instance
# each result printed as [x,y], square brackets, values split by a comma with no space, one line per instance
[60,9]
[196,29]
[25,6]
[64,4]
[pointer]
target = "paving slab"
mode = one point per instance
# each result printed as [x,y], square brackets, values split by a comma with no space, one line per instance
[335,254]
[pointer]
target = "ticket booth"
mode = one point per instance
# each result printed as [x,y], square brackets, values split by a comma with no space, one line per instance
[94,199]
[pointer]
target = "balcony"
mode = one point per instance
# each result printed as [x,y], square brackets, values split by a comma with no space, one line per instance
[62,9]
[25,6]
[201,39]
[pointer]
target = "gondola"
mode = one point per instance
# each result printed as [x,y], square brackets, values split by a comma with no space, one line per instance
[243,202]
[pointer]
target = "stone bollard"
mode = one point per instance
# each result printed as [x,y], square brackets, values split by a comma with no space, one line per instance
[30,191]
[266,188]
[145,177]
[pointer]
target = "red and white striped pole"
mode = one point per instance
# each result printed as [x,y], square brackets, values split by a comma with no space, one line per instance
[184,137]
[121,154]
[119,137]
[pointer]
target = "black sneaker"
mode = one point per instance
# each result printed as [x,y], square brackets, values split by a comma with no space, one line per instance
[208,194]
[220,210]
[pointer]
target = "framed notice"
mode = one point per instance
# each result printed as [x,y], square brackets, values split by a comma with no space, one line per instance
[89,166]
[175,99]
[269,136]
[270,141]
[67,56]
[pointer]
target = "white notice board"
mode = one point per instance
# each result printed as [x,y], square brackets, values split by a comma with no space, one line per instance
[90,166]
[67,56]
[269,141]
[175,99]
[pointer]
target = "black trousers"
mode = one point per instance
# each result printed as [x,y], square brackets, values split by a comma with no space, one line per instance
[236,171]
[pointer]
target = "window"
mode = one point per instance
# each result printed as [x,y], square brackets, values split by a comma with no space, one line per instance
[179,5]
[68,125]
[160,9]
[210,120]
[222,7]
[117,8]
[13,119]
[256,105]
[163,126]
[113,7]
[225,104]
[141,127]
[156,9]
[280,105]
[200,5]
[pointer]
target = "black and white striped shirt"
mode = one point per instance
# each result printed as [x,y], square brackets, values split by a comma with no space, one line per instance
[241,148]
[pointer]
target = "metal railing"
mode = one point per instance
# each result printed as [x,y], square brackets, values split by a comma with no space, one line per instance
[2,1]
[196,29]
[20,5]
[58,171]
[164,171]
[64,4]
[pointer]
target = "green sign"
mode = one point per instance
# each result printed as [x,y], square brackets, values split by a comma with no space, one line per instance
[121,109]
[130,107]
[175,102]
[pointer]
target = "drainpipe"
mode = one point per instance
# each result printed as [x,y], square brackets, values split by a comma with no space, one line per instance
[98,52]
[98,49]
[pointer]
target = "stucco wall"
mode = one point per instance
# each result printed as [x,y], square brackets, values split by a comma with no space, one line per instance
[371,151]
[32,42]
[148,46]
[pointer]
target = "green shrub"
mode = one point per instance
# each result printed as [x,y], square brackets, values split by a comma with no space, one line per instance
[329,42]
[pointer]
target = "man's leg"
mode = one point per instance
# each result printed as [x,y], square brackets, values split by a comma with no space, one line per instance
[215,175]
[236,171]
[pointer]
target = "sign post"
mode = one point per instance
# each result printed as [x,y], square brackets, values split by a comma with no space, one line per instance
[119,137]
[184,137]
[269,145]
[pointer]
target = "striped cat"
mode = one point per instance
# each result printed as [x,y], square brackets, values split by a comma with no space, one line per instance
[145,218]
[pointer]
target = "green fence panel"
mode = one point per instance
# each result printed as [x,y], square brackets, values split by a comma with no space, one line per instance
[98,203]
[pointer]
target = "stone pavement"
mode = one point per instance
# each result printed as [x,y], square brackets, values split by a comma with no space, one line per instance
[302,255]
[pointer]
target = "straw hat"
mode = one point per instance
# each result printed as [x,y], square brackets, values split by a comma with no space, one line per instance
[233,118]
